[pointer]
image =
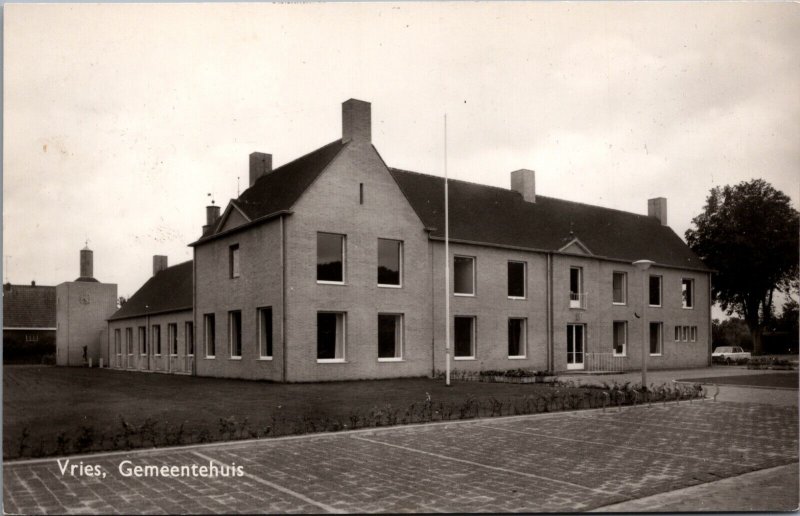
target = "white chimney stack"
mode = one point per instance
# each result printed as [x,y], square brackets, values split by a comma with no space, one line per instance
[658,208]
[260,165]
[523,181]
[356,121]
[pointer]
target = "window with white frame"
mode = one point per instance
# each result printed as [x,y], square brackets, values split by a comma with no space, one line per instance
[390,263]
[677,334]
[685,333]
[463,337]
[390,337]
[687,293]
[233,261]
[129,341]
[516,280]
[210,335]
[620,338]
[464,275]
[235,333]
[172,338]
[142,340]
[331,336]
[577,298]
[655,291]
[157,340]
[265,332]
[656,338]
[330,258]
[188,336]
[694,333]
[619,288]
[117,342]
[517,337]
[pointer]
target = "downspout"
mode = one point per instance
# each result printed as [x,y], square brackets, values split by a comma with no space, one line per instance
[283,301]
[195,354]
[433,311]
[549,311]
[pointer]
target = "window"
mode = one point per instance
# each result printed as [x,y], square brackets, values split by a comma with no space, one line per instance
[31,337]
[677,334]
[655,338]
[330,258]
[142,340]
[330,336]
[685,333]
[464,338]
[129,341]
[464,276]
[517,337]
[620,338]
[577,298]
[209,335]
[390,262]
[233,260]
[188,337]
[620,288]
[235,333]
[157,340]
[360,193]
[516,280]
[687,292]
[694,334]
[117,342]
[265,332]
[655,290]
[390,337]
[172,338]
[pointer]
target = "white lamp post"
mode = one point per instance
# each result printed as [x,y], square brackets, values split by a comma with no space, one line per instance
[643,265]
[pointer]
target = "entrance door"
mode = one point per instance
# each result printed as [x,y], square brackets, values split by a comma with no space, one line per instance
[575,343]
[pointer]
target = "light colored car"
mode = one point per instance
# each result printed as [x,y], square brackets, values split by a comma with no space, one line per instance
[729,354]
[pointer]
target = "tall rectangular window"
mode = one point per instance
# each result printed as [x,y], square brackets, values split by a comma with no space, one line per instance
[464,276]
[157,340]
[687,293]
[172,337]
[677,334]
[656,339]
[464,337]
[330,258]
[188,336]
[129,340]
[117,342]
[516,280]
[517,337]
[655,291]
[233,260]
[577,298]
[330,336]
[235,333]
[265,332]
[209,335]
[390,262]
[390,337]
[620,338]
[619,288]
[694,333]
[142,340]
[685,333]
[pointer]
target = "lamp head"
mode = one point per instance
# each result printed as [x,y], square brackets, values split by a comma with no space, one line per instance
[643,265]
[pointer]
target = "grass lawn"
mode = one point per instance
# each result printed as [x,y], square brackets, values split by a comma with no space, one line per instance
[87,406]
[785,380]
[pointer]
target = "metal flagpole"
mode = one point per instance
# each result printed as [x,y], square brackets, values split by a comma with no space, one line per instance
[446,263]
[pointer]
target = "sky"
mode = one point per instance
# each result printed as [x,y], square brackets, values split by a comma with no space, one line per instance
[120,119]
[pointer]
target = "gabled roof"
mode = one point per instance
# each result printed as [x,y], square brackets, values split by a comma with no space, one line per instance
[496,216]
[26,306]
[168,291]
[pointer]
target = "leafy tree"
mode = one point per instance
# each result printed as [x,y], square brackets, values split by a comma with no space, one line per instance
[731,332]
[748,233]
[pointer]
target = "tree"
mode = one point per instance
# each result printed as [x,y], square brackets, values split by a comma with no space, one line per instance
[748,233]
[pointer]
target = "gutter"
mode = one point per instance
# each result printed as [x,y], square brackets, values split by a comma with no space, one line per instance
[242,227]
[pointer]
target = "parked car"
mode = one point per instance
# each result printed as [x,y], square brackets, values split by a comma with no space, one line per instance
[730,354]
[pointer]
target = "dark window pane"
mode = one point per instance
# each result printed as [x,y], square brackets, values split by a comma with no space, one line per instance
[575,280]
[655,338]
[387,336]
[655,290]
[388,262]
[190,338]
[516,330]
[329,257]
[463,275]
[516,279]
[619,337]
[236,334]
[462,336]
[265,338]
[326,335]
[234,261]
[687,293]
[619,287]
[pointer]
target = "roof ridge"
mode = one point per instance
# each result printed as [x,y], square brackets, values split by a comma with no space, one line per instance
[307,154]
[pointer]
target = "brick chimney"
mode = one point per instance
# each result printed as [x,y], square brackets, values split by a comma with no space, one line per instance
[523,181]
[356,121]
[658,208]
[260,165]
[159,263]
[212,216]
[87,263]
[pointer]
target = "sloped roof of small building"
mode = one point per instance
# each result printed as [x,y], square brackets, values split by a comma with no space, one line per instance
[169,290]
[28,306]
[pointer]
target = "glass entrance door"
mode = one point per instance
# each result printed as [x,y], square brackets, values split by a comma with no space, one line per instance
[575,343]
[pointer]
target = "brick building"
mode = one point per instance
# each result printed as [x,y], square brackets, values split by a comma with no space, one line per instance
[29,323]
[331,267]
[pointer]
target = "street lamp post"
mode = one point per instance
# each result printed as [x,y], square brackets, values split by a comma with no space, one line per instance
[643,265]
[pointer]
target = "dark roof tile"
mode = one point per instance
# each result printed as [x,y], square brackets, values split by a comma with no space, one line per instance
[26,306]
[168,291]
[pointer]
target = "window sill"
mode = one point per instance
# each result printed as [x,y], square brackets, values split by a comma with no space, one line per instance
[463,358]
[331,361]
[516,298]
[654,306]
[210,357]
[655,354]
[390,360]
[619,304]
[340,283]
[234,358]
[517,357]
[380,285]
[619,356]
[265,359]
[688,307]
[463,295]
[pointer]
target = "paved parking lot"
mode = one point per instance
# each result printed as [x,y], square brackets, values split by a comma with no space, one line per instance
[575,461]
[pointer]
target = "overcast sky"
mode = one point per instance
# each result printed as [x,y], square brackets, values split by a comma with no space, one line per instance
[119,119]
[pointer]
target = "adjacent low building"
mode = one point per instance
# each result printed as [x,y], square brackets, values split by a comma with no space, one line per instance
[332,267]
[29,323]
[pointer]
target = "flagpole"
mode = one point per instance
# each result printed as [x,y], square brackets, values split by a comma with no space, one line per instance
[446,263]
